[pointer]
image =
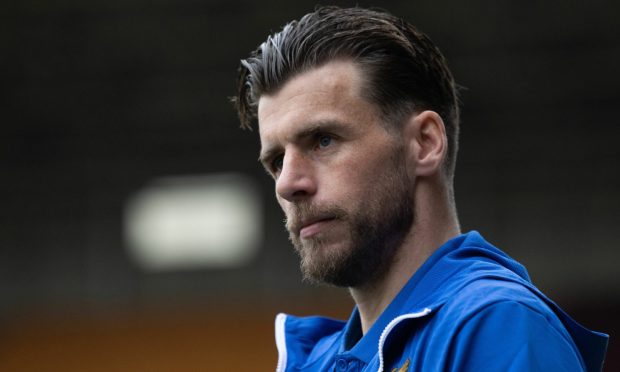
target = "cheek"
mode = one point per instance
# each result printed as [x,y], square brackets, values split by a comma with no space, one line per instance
[354,182]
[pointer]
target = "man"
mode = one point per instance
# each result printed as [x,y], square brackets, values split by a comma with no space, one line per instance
[358,120]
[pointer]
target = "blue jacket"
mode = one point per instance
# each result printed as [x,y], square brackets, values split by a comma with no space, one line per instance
[470,307]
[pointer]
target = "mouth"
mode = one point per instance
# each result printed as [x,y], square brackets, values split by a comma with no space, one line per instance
[314,226]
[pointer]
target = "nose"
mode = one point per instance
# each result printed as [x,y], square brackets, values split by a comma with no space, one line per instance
[296,180]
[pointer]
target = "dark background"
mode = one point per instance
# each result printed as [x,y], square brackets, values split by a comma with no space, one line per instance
[101,97]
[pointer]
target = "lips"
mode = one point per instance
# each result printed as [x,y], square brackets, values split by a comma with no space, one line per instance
[313,226]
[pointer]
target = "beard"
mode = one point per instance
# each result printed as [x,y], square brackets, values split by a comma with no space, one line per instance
[373,233]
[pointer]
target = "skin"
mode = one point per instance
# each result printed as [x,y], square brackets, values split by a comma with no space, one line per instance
[325,146]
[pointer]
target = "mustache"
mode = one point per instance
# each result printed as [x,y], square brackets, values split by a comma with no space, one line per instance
[301,214]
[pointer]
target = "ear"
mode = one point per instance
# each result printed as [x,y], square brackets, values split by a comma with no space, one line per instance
[427,142]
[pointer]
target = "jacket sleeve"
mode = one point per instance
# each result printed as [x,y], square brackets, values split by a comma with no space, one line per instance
[511,336]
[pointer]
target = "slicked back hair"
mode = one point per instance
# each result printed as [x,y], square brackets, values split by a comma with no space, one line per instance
[403,71]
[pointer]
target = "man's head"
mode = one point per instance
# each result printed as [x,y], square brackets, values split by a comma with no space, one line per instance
[404,71]
[350,105]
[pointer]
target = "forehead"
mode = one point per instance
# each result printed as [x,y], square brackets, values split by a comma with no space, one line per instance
[330,93]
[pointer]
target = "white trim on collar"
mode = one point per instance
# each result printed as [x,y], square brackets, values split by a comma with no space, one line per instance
[281,342]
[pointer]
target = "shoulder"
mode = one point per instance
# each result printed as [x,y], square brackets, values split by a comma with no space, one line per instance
[499,305]
[493,324]
[512,335]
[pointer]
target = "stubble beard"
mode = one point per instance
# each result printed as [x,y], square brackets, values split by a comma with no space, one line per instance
[374,231]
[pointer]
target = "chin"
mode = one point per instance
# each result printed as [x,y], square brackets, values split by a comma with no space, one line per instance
[331,264]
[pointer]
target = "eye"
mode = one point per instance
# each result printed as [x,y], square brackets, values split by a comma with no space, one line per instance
[324,140]
[277,163]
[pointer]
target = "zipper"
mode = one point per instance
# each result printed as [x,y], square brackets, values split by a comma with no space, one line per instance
[391,325]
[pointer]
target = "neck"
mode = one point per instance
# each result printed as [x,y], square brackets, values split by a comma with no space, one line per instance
[435,223]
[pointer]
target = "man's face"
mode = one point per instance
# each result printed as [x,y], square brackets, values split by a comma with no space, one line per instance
[340,175]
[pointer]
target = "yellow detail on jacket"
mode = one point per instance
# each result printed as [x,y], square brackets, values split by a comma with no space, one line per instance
[404,368]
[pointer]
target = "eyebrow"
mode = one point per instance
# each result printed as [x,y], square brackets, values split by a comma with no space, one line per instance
[311,130]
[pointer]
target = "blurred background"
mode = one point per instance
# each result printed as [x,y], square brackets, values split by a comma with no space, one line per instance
[139,233]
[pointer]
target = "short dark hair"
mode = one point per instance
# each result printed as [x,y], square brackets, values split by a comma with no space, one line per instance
[403,70]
